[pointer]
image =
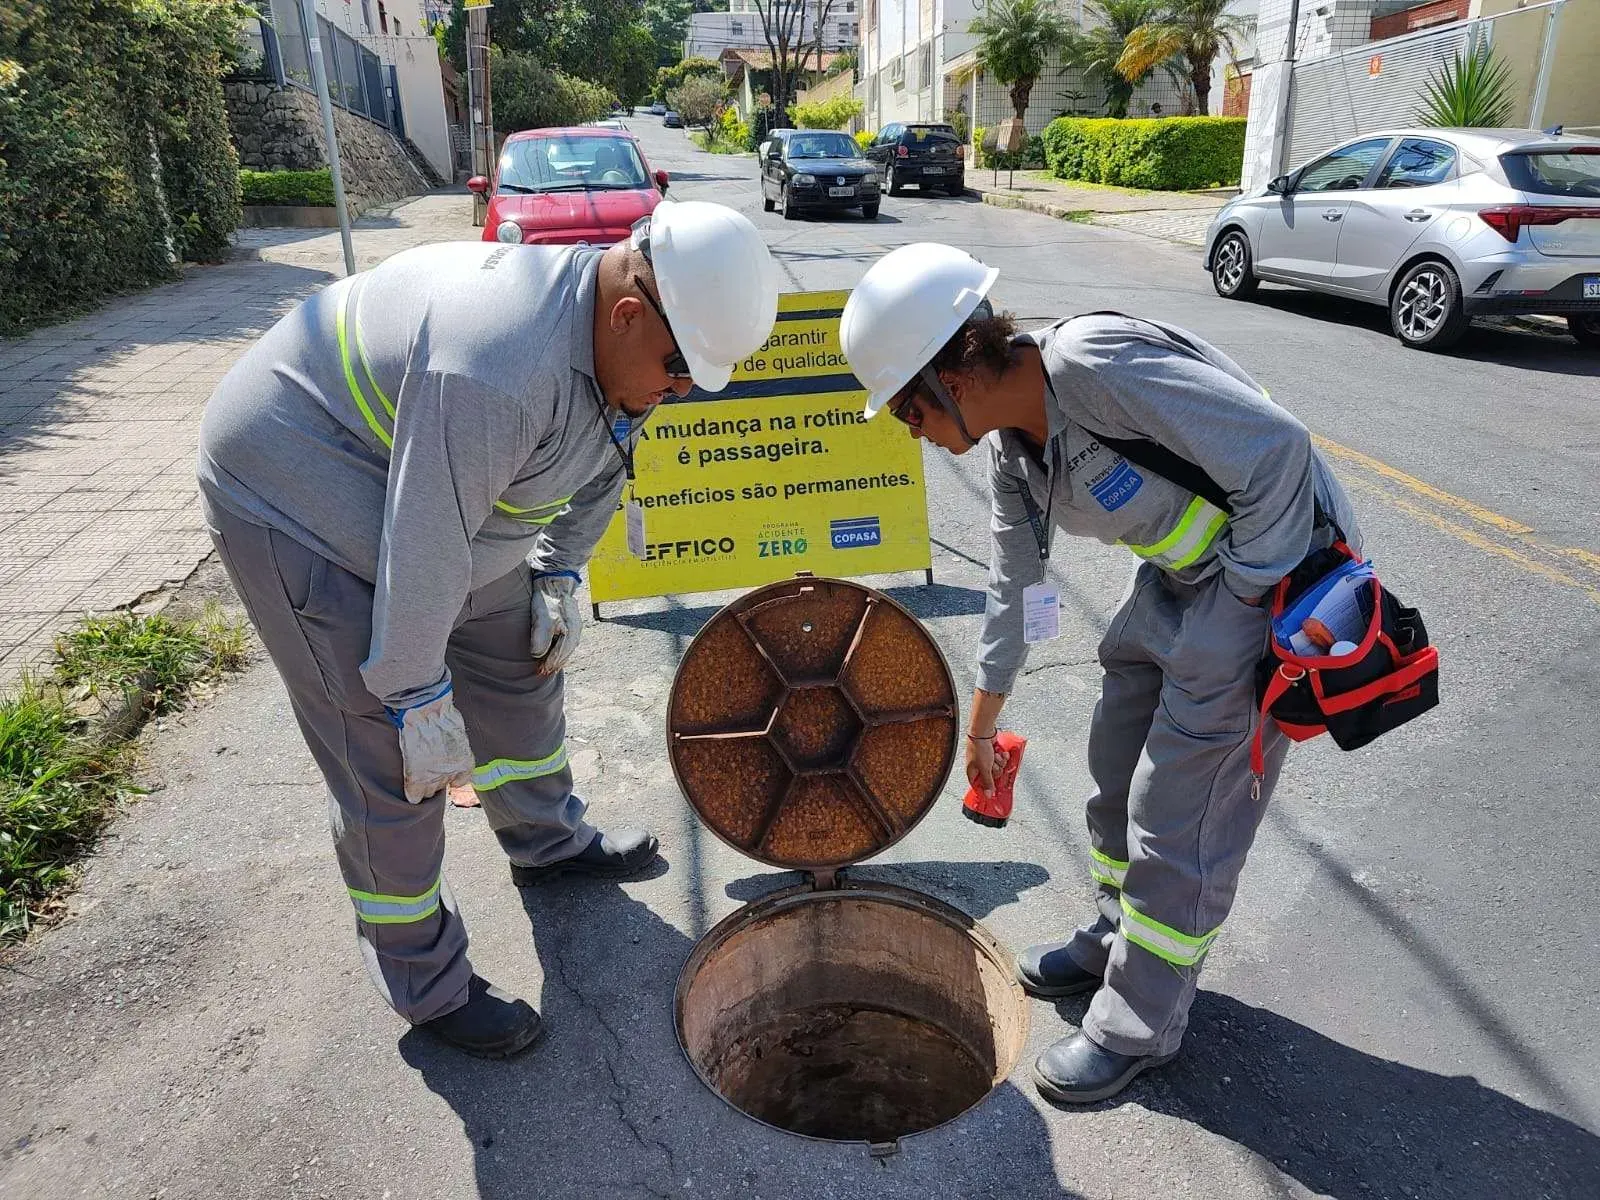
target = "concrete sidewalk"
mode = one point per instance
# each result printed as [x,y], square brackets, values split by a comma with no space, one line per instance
[1172,216]
[99,416]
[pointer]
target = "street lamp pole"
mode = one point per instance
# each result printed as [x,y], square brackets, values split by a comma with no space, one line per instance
[319,77]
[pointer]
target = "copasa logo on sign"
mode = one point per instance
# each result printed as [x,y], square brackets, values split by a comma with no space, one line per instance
[851,533]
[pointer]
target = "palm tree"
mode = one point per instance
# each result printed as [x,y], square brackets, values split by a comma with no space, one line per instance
[1097,50]
[1198,30]
[1015,38]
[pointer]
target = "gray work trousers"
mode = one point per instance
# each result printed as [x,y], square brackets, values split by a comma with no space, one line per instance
[315,619]
[1174,811]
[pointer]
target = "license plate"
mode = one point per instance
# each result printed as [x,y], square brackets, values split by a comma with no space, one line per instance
[1591,287]
[841,191]
[933,170]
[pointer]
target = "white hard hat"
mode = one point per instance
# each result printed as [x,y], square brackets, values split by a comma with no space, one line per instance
[906,307]
[718,284]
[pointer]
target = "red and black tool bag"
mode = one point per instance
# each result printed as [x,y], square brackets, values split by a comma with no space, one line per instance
[1391,676]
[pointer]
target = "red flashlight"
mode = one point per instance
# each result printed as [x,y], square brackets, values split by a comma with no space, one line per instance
[994,811]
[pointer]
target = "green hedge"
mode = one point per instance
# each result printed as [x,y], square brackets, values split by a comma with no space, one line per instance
[865,138]
[1165,154]
[308,188]
[115,157]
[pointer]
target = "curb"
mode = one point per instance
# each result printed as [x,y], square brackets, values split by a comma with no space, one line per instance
[1059,211]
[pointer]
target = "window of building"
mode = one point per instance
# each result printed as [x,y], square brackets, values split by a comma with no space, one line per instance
[736,28]
[925,65]
[383,19]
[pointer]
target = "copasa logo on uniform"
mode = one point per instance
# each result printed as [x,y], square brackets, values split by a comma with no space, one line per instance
[1117,487]
[851,533]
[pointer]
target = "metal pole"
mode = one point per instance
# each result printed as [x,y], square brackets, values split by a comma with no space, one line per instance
[1547,54]
[319,77]
[1285,113]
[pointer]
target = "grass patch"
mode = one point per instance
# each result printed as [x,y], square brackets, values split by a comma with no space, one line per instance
[714,145]
[61,776]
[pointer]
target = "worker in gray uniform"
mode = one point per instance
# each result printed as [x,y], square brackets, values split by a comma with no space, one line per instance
[405,478]
[1140,434]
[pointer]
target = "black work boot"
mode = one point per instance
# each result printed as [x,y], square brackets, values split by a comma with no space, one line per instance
[1078,1070]
[491,1024]
[609,855]
[1048,970]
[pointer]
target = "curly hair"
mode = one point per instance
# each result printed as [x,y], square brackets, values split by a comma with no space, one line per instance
[982,341]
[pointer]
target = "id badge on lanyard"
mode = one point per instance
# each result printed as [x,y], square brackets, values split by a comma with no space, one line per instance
[1041,601]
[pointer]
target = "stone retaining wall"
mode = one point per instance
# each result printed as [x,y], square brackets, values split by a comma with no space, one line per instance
[277,129]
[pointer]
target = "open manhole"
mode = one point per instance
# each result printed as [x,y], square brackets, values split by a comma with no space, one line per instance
[812,724]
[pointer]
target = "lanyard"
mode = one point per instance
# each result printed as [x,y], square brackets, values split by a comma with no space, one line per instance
[626,455]
[1041,525]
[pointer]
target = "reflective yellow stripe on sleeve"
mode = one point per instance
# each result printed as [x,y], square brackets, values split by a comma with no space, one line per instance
[1189,538]
[341,326]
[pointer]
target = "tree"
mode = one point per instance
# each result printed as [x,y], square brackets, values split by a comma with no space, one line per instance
[1097,50]
[1195,30]
[674,76]
[529,94]
[1015,40]
[668,21]
[697,100]
[794,31]
[829,114]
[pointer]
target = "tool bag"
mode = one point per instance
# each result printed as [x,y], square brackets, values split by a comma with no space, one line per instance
[1390,677]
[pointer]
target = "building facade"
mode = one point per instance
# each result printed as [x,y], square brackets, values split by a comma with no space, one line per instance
[740,28]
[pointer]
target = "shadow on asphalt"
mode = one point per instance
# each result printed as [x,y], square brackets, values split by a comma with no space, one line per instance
[976,888]
[607,1105]
[1554,353]
[923,600]
[1354,1126]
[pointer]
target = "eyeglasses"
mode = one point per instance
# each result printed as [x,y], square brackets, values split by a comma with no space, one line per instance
[906,409]
[677,367]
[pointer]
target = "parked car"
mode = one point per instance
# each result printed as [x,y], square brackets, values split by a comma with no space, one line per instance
[1439,225]
[815,169]
[927,154]
[671,120]
[658,109]
[560,186]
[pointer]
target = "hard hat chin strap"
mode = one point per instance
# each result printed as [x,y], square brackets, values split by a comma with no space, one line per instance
[930,379]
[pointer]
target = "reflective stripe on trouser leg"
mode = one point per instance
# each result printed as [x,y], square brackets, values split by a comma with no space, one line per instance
[1129,692]
[1191,814]
[411,939]
[516,725]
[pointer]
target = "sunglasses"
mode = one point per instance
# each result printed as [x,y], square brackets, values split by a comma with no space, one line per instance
[677,367]
[907,409]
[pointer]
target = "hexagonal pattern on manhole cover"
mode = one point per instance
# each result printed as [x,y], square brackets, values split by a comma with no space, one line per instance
[812,723]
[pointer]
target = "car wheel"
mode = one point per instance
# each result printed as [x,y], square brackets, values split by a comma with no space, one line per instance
[790,212]
[767,204]
[1425,310]
[1586,328]
[894,186]
[1232,272]
[869,211]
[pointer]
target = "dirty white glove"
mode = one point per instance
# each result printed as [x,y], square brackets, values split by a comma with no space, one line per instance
[557,619]
[433,743]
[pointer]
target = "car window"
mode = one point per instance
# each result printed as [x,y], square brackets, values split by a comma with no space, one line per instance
[926,135]
[1343,170]
[1418,163]
[823,145]
[1555,173]
[571,163]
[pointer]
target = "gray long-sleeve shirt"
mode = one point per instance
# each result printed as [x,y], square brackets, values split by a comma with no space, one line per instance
[426,425]
[1138,380]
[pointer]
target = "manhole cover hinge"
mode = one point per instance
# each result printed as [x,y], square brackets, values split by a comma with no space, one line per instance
[826,879]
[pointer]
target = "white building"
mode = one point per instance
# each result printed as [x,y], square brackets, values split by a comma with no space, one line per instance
[913,52]
[740,28]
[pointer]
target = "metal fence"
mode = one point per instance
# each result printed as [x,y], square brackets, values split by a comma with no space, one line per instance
[277,49]
[1380,85]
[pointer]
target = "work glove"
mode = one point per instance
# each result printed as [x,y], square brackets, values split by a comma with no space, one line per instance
[557,619]
[433,743]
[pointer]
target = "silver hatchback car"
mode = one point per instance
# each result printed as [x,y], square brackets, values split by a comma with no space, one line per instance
[1438,225]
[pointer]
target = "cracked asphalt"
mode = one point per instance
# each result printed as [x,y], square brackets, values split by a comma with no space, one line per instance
[1402,1004]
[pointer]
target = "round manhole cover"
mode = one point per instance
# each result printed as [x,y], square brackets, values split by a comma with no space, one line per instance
[812,723]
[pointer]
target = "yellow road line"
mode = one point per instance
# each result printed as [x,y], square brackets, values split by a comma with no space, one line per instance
[1438,495]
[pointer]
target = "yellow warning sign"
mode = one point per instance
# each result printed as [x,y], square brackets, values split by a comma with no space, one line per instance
[777,473]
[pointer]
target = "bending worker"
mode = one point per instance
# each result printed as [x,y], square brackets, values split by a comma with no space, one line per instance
[1116,429]
[404,478]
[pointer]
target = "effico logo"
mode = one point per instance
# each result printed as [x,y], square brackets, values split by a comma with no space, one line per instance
[851,533]
[703,547]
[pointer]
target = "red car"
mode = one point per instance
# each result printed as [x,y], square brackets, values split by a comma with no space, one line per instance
[559,186]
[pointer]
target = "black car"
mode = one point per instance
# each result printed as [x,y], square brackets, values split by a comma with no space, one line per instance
[816,169]
[929,155]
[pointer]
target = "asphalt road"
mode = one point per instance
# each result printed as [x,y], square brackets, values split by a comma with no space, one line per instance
[1402,1003]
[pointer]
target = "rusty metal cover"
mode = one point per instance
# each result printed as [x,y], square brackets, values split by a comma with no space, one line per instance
[812,723]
